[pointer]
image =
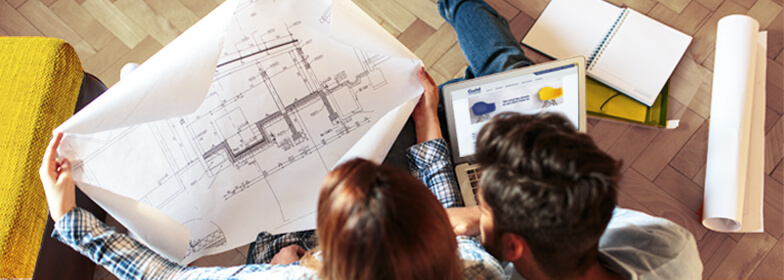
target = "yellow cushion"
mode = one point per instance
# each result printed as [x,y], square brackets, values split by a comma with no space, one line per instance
[39,84]
[549,93]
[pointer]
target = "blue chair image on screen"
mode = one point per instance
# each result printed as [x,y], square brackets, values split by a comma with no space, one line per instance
[482,110]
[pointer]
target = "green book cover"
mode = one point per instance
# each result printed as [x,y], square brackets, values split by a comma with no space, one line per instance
[606,102]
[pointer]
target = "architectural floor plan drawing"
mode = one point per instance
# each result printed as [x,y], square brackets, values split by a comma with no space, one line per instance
[285,104]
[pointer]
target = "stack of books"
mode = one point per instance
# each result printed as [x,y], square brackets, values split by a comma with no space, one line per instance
[630,56]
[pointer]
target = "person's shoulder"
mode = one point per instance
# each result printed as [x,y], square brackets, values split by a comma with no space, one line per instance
[627,224]
[292,272]
[477,263]
[650,246]
[251,271]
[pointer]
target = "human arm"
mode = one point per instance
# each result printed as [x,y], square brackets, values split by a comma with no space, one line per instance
[120,254]
[80,229]
[124,257]
[288,254]
[425,113]
[464,220]
[57,180]
[129,259]
[429,160]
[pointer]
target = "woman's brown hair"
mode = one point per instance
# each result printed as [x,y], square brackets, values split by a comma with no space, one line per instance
[379,222]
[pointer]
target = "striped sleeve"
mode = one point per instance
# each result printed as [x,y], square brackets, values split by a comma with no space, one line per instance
[118,253]
[430,163]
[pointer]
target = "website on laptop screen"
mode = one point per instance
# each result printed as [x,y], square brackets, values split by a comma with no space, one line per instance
[549,90]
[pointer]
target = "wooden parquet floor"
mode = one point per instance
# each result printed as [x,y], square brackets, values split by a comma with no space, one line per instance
[663,171]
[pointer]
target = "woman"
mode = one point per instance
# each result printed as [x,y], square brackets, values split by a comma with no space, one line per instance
[373,222]
[377,222]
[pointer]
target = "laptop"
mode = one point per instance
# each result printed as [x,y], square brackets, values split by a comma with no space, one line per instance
[557,86]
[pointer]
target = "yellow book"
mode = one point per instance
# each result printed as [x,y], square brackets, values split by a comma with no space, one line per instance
[606,102]
[624,49]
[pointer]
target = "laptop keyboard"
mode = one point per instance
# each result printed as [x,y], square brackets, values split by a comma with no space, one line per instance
[473,178]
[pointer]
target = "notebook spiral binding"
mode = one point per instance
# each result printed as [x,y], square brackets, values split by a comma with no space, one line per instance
[607,38]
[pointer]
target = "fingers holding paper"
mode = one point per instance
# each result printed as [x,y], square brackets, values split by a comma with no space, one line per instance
[57,180]
[425,113]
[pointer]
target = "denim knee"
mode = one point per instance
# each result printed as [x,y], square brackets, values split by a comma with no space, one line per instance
[443,11]
[448,8]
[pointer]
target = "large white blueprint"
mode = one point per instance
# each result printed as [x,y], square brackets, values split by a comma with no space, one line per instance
[194,167]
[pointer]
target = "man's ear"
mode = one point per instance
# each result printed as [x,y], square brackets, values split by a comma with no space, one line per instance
[513,246]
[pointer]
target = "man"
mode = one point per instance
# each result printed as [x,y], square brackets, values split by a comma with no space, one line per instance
[547,195]
[547,205]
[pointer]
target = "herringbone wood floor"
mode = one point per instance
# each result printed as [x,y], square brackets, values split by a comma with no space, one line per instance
[663,171]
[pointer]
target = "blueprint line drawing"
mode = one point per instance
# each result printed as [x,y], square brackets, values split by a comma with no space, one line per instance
[211,237]
[257,52]
[285,104]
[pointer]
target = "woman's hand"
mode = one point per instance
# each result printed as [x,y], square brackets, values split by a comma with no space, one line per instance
[465,220]
[425,113]
[58,184]
[288,254]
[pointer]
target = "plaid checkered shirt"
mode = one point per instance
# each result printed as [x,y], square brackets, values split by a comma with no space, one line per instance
[129,259]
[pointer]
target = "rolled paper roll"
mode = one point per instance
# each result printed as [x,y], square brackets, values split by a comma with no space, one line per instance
[734,170]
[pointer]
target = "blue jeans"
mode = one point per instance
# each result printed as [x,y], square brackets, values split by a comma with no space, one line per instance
[484,37]
[486,40]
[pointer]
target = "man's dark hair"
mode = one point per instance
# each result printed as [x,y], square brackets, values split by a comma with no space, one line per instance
[549,184]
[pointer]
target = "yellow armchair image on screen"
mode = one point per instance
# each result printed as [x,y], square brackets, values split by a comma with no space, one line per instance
[549,96]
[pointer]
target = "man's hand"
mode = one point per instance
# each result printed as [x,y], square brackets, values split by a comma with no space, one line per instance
[464,220]
[288,254]
[425,113]
[58,184]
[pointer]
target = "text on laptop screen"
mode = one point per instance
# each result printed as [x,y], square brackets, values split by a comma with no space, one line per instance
[549,90]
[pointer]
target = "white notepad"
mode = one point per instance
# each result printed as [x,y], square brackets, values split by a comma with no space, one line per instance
[625,49]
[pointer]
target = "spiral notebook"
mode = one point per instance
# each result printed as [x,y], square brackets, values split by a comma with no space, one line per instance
[626,50]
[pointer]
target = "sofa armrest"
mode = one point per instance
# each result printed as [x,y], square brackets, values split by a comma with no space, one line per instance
[56,260]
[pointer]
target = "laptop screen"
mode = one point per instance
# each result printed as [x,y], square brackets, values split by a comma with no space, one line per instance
[550,89]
